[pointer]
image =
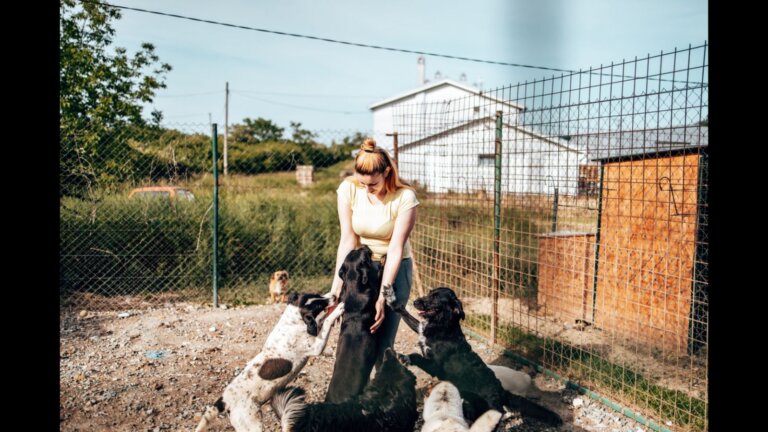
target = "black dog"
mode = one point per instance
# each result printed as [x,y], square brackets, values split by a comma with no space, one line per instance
[387,404]
[446,354]
[356,350]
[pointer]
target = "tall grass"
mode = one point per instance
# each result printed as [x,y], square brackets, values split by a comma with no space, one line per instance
[455,242]
[122,246]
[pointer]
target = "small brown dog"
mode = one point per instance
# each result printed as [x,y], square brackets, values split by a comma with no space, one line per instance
[278,285]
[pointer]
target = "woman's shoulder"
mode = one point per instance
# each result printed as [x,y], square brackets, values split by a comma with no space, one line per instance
[405,193]
[348,189]
[349,181]
[405,198]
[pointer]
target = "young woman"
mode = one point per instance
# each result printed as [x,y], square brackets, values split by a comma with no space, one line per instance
[377,209]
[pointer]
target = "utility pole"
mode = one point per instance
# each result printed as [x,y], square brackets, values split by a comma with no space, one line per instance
[394,134]
[226,124]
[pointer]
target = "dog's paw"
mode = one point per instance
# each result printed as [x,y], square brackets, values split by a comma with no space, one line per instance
[333,300]
[338,311]
[404,359]
[389,295]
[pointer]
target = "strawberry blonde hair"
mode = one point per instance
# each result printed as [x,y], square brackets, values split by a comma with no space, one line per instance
[374,160]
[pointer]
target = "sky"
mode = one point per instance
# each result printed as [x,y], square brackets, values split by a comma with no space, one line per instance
[330,87]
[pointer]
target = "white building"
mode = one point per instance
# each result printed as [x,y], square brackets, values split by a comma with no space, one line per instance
[446,141]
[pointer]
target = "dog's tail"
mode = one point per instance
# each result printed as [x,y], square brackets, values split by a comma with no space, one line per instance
[532,409]
[211,413]
[288,404]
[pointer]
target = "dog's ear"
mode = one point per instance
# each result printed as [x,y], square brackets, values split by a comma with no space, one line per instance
[457,307]
[293,299]
[342,271]
[311,324]
[459,310]
[273,277]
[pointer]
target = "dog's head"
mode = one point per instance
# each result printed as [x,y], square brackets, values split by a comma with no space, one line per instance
[312,308]
[440,306]
[361,279]
[279,277]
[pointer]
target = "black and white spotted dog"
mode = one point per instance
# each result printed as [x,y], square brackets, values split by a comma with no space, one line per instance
[443,412]
[292,341]
[387,404]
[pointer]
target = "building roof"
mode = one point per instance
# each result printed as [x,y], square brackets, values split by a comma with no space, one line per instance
[446,82]
[620,145]
[556,141]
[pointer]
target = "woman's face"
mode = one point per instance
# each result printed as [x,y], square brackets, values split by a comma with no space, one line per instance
[373,183]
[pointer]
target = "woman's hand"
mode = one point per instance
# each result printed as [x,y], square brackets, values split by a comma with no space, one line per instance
[379,314]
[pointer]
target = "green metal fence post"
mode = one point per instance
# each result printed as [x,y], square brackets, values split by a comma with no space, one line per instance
[496,229]
[554,211]
[597,239]
[215,258]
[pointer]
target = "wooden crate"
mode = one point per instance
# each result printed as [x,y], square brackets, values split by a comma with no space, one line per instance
[305,175]
[566,275]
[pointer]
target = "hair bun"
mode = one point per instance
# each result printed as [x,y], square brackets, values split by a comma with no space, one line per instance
[369,145]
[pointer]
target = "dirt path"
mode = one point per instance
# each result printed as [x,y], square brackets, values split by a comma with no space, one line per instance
[157,370]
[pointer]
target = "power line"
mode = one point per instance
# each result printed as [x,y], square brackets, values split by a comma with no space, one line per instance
[611,75]
[309,94]
[362,45]
[184,115]
[299,106]
[188,94]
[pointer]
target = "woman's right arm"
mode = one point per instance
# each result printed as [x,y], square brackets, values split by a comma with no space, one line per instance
[347,242]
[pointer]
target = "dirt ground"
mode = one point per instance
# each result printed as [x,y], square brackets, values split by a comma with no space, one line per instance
[157,369]
[687,374]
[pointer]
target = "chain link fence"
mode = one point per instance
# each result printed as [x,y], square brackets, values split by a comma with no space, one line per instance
[136,215]
[570,215]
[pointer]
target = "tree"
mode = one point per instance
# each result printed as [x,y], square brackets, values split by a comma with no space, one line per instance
[301,136]
[101,91]
[256,131]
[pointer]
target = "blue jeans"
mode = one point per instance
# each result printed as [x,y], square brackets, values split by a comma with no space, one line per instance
[386,333]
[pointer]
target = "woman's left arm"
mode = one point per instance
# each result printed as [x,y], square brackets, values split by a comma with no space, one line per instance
[404,223]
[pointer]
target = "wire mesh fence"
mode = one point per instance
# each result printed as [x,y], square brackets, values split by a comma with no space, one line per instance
[570,214]
[136,214]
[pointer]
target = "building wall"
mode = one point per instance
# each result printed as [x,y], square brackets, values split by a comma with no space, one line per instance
[462,161]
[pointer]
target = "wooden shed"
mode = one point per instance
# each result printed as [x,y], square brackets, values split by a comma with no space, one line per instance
[648,235]
[648,258]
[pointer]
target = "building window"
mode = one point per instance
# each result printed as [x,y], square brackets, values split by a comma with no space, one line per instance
[589,180]
[486,160]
